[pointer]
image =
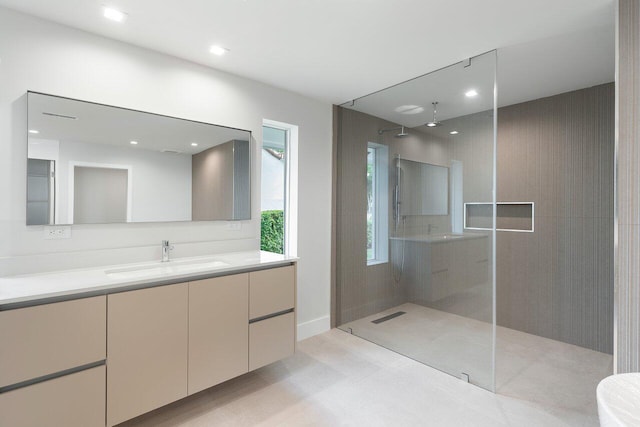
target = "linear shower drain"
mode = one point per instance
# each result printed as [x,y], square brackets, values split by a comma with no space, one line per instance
[389,317]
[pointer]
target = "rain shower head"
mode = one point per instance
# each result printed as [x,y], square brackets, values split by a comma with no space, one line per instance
[401,134]
[434,123]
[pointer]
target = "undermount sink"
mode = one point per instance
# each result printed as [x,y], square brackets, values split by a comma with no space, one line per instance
[166,268]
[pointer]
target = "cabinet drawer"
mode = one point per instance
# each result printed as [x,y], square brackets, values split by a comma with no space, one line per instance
[49,338]
[271,340]
[70,401]
[271,291]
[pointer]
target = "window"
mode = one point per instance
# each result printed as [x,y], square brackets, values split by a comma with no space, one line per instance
[278,205]
[377,203]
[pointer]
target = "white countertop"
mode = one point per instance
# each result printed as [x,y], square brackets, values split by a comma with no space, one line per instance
[619,400]
[31,288]
[440,237]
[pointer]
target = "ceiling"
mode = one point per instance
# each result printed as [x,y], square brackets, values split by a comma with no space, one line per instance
[411,103]
[338,50]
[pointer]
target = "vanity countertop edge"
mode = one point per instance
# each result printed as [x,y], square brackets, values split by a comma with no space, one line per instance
[43,288]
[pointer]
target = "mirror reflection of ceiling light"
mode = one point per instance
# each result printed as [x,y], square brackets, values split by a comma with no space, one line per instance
[218,50]
[454,132]
[114,14]
[133,142]
[409,109]
[33,131]
[471,93]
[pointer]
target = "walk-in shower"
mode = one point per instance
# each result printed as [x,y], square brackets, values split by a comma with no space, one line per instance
[485,254]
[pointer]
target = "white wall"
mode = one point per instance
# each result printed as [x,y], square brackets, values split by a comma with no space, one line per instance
[46,57]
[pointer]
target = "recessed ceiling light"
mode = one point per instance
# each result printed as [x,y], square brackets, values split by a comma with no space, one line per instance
[218,50]
[114,14]
[133,142]
[33,131]
[471,93]
[432,124]
[194,144]
[454,132]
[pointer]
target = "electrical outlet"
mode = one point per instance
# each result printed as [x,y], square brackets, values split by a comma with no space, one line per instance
[234,225]
[57,232]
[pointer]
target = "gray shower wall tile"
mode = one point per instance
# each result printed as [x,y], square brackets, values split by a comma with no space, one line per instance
[364,290]
[558,153]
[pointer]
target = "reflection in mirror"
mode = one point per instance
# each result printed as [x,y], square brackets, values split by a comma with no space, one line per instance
[90,163]
[423,188]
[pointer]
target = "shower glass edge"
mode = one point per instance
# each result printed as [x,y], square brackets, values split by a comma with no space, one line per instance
[416,218]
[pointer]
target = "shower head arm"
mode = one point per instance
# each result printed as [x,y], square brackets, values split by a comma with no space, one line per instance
[400,135]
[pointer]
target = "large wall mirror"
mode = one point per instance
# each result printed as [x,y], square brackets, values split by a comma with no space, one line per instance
[90,163]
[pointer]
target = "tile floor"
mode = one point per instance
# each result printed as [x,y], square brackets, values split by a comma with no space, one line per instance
[337,379]
[559,376]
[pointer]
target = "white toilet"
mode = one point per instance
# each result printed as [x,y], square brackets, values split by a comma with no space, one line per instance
[619,400]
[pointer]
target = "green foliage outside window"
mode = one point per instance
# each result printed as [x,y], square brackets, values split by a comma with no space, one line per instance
[272,231]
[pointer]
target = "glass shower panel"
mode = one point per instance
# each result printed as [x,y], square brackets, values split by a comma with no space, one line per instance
[432,298]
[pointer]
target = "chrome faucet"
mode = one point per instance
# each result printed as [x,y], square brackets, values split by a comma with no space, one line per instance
[166,248]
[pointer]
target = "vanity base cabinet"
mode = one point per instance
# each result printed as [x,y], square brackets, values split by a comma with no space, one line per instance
[147,336]
[218,333]
[74,400]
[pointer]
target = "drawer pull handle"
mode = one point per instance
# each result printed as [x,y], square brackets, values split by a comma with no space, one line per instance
[51,376]
[269,316]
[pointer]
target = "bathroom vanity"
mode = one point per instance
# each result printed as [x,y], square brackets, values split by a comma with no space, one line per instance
[97,347]
[438,266]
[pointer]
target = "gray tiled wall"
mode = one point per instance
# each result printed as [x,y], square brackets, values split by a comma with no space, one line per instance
[558,281]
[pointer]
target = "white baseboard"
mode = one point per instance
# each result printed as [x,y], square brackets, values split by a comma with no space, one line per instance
[313,327]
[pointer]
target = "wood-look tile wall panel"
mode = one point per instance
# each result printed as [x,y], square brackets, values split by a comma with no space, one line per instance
[360,290]
[628,186]
[558,281]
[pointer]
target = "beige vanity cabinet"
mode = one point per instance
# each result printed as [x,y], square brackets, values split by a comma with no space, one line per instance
[218,330]
[48,364]
[272,296]
[146,350]
[114,357]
